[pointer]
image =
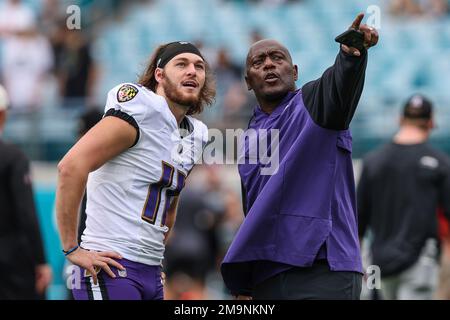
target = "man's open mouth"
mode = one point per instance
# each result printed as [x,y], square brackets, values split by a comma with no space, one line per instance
[271,77]
[190,84]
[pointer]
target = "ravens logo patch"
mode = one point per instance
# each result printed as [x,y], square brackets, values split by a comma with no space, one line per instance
[126,93]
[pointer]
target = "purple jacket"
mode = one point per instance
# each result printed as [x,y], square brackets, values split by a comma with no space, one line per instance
[309,204]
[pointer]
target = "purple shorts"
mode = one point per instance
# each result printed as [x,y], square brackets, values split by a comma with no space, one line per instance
[138,282]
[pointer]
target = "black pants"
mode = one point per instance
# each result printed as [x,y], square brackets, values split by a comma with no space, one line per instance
[311,283]
[17,270]
[18,285]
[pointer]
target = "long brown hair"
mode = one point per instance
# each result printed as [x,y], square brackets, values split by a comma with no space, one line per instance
[207,93]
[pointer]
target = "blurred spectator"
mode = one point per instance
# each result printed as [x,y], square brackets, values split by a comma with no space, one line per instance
[228,77]
[414,8]
[193,249]
[15,17]
[98,9]
[208,52]
[237,103]
[231,222]
[438,8]
[24,274]
[405,7]
[26,61]
[226,71]
[50,16]
[402,186]
[75,69]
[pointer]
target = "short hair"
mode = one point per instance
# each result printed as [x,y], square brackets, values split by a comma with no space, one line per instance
[207,93]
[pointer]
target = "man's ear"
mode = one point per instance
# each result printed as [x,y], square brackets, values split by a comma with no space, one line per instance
[249,87]
[159,74]
[295,72]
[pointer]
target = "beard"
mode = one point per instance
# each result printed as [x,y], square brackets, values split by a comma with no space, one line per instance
[175,95]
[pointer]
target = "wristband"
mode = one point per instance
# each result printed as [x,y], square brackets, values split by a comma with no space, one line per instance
[66,253]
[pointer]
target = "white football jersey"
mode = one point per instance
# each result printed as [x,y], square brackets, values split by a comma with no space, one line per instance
[128,197]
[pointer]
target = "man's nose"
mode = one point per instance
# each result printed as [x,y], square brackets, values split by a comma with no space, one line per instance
[268,63]
[191,69]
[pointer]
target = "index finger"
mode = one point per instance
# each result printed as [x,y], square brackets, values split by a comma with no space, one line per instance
[94,274]
[357,22]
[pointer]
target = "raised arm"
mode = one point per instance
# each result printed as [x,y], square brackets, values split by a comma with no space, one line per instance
[332,99]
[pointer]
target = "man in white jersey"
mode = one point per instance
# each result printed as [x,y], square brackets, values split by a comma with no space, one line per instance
[134,163]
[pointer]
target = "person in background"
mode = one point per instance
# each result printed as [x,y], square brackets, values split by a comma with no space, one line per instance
[403,186]
[24,272]
[193,250]
[26,61]
[76,70]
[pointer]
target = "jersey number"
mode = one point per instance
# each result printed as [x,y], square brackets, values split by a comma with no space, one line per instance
[161,189]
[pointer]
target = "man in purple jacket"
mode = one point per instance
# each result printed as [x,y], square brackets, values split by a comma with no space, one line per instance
[299,239]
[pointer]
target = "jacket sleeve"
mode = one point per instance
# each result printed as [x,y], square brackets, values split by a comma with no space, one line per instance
[332,99]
